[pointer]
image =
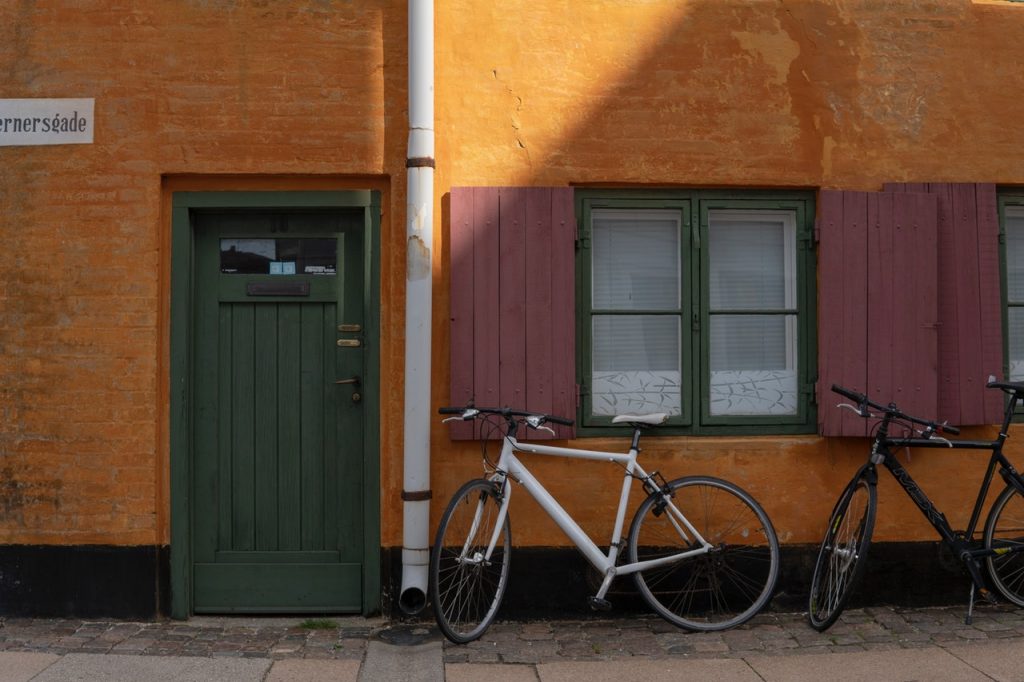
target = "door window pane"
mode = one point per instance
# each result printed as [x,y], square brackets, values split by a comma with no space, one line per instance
[636,364]
[286,256]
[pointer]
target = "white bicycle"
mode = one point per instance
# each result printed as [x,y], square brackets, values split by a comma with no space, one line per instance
[702,552]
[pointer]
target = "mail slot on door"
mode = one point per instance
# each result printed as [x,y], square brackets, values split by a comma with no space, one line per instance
[277,288]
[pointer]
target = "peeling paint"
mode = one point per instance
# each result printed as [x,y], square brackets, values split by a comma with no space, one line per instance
[418,264]
[776,50]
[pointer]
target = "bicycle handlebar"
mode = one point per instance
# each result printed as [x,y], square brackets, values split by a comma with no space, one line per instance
[863,401]
[471,412]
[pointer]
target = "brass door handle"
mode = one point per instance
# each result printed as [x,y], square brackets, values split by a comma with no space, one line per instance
[351,380]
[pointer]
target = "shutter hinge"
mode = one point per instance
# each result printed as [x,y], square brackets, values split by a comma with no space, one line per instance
[816,232]
[579,396]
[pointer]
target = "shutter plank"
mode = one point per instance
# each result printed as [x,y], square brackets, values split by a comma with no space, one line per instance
[563,333]
[882,381]
[512,298]
[991,304]
[539,236]
[965,243]
[486,290]
[915,348]
[460,270]
[854,304]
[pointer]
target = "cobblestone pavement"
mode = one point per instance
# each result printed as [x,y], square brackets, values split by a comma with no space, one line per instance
[523,642]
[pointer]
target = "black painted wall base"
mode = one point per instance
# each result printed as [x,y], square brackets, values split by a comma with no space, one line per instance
[84,581]
[555,582]
[99,581]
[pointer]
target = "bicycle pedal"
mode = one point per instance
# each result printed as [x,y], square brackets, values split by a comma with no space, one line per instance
[988,597]
[599,604]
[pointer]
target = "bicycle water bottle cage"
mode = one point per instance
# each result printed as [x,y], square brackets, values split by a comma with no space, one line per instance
[655,483]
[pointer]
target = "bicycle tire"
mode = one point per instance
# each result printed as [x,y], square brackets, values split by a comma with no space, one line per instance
[466,593]
[1006,570]
[713,591]
[843,552]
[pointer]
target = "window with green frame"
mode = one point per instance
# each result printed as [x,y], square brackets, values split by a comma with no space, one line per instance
[699,304]
[1011,223]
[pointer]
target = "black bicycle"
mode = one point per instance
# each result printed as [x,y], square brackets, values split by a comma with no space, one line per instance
[844,549]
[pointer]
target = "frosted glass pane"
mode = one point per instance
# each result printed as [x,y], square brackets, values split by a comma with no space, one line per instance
[1015,331]
[636,260]
[754,393]
[749,265]
[753,365]
[636,365]
[1015,256]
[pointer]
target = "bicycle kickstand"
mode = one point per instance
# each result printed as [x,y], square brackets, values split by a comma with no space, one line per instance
[970,607]
[983,592]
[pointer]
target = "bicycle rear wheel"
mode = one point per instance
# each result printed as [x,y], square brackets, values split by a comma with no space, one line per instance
[466,584]
[1004,530]
[843,553]
[716,590]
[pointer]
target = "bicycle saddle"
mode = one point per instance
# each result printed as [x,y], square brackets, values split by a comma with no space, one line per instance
[1017,388]
[652,419]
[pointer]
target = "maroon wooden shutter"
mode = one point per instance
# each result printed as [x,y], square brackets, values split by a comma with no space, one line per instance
[970,308]
[512,301]
[878,317]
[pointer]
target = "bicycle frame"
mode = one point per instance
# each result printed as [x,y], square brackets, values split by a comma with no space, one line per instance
[510,466]
[881,452]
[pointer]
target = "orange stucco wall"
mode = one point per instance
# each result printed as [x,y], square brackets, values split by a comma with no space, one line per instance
[306,94]
[845,94]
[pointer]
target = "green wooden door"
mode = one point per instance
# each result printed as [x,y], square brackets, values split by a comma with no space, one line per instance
[277,476]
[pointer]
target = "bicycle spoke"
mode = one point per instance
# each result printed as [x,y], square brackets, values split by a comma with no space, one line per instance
[721,587]
[466,587]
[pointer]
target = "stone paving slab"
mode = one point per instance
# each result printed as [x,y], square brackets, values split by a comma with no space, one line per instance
[1003,660]
[23,666]
[296,670]
[643,669]
[935,665]
[116,668]
[418,663]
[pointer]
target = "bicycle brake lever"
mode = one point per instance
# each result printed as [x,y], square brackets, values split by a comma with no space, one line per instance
[855,410]
[942,440]
[548,429]
[451,419]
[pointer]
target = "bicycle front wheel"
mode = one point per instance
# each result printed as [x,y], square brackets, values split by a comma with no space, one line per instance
[1004,531]
[718,589]
[843,553]
[468,577]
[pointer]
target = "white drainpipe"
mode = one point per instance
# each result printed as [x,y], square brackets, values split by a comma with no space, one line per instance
[418,291]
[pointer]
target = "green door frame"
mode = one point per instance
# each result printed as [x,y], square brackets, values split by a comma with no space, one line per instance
[181,398]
